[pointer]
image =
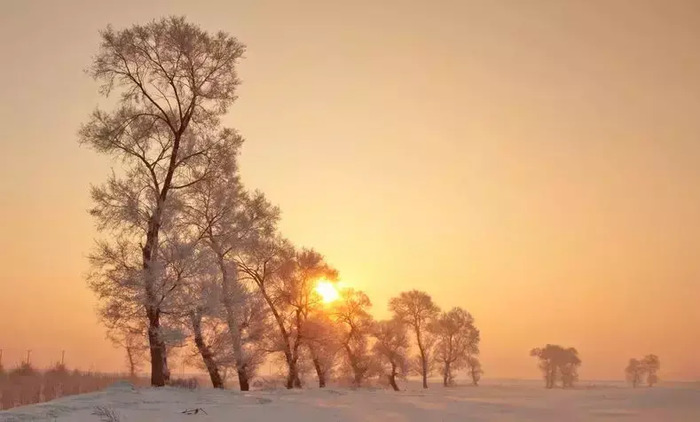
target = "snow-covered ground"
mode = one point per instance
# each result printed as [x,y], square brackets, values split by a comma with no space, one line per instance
[503,401]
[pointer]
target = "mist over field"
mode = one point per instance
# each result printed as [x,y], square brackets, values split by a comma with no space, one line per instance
[395,210]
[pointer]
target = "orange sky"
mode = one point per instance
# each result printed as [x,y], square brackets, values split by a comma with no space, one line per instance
[535,162]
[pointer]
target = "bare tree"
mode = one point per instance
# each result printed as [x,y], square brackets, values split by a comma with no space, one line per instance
[417,310]
[457,340]
[175,81]
[133,342]
[651,365]
[351,311]
[558,363]
[391,349]
[634,372]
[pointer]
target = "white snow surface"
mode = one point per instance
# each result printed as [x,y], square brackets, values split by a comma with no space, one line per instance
[516,401]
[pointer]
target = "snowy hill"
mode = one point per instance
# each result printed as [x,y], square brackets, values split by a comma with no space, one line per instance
[516,402]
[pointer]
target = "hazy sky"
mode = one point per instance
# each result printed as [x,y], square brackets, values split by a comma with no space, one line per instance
[536,162]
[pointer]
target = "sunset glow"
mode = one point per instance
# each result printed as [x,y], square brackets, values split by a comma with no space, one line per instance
[529,162]
[327,290]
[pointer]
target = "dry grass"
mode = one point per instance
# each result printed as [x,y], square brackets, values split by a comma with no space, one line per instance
[26,385]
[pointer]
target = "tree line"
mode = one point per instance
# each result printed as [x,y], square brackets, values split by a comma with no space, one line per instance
[188,258]
[560,365]
[645,369]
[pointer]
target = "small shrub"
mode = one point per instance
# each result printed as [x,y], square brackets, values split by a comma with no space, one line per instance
[106,414]
[187,383]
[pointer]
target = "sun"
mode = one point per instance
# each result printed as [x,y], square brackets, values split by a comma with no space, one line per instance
[327,290]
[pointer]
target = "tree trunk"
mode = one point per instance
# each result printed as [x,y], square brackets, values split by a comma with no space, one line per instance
[132,362]
[423,359]
[319,372]
[446,375]
[204,351]
[357,374]
[243,381]
[295,348]
[160,375]
[159,359]
[392,377]
[292,375]
[233,327]
[392,382]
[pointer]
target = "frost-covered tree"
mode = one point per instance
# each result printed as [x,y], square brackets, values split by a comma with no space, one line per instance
[324,340]
[351,312]
[299,299]
[228,220]
[634,372]
[174,81]
[262,264]
[286,279]
[457,340]
[196,303]
[417,310]
[558,363]
[391,349]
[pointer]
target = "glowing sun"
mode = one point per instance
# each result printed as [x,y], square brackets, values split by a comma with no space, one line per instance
[327,290]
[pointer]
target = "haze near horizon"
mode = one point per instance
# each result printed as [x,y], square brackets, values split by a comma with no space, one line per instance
[535,164]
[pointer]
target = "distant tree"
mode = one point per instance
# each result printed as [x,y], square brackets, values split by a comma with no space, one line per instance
[569,367]
[391,349]
[475,371]
[558,363]
[417,310]
[634,372]
[651,365]
[132,340]
[351,311]
[175,81]
[457,340]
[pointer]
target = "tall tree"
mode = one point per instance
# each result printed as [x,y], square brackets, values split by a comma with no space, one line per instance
[175,81]
[457,340]
[391,349]
[417,310]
